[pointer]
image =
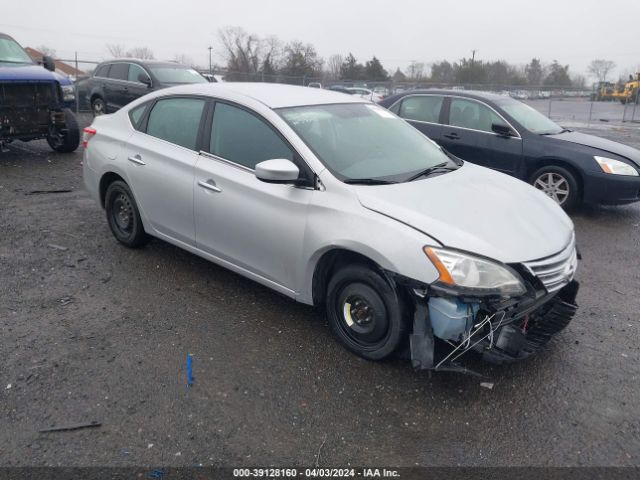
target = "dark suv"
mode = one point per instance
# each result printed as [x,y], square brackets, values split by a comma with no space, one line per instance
[118,82]
[35,101]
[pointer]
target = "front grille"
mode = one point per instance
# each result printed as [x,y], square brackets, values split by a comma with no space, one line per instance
[25,107]
[557,270]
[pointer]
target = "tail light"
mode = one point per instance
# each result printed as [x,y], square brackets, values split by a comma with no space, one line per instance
[87,134]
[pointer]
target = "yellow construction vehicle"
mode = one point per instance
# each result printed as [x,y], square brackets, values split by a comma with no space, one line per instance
[630,92]
[604,92]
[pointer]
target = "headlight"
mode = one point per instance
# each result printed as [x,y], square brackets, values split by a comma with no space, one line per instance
[474,274]
[68,93]
[616,167]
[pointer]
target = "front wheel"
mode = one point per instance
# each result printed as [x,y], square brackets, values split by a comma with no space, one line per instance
[98,107]
[67,139]
[123,216]
[557,183]
[365,313]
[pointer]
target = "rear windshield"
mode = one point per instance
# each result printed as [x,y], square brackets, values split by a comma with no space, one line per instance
[177,75]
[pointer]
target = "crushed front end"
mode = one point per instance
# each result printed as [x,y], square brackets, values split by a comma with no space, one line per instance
[30,110]
[500,327]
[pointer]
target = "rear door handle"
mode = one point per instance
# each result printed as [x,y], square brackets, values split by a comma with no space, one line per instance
[137,159]
[452,136]
[209,185]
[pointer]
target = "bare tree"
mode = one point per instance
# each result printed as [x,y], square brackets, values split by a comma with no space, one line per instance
[183,59]
[143,53]
[47,50]
[600,69]
[117,50]
[415,71]
[333,66]
[242,52]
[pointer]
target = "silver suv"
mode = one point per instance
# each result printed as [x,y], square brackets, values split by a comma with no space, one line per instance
[337,202]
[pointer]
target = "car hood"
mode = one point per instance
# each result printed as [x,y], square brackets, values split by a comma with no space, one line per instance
[477,210]
[603,144]
[25,72]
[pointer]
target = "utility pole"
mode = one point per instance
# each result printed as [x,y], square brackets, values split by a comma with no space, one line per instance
[210,69]
[473,57]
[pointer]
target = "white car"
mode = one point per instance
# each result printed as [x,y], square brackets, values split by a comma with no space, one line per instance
[337,202]
[365,93]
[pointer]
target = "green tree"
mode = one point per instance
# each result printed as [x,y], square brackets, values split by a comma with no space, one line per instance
[351,69]
[534,72]
[442,72]
[558,75]
[373,70]
[300,60]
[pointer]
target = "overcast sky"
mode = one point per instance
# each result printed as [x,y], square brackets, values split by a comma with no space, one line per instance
[397,32]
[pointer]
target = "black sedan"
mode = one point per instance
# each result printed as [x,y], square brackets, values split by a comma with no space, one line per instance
[507,135]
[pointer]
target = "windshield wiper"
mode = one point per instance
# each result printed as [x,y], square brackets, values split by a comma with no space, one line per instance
[14,61]
[444,166]
[368,181]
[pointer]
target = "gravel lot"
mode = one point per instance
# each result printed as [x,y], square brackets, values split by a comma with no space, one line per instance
[92,331]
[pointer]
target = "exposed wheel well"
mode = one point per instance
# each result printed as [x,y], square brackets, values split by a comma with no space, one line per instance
[551,162]
[94,96]
[328,264]
[106,180]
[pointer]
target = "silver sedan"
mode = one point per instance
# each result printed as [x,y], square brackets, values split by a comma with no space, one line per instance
[337,202]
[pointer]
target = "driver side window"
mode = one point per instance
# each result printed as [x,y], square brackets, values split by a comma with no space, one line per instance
[243,138]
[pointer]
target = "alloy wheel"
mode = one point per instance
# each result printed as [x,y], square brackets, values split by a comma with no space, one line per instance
[554,185]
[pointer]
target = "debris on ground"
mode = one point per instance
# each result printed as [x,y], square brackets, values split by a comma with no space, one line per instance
[488,385]
[57,247]
[68,428]
[189,370]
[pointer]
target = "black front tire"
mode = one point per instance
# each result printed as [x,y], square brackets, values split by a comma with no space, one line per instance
[365,312]
[123,215]
[98,106]
[69,139]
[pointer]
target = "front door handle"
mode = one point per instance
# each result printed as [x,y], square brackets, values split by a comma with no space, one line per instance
[137,159]
[209,185]
[452,136]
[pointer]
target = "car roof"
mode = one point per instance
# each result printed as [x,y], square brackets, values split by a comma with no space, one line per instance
[459,93]
[150,63]
[273,95]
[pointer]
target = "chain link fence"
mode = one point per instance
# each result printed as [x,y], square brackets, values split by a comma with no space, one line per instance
[569,106]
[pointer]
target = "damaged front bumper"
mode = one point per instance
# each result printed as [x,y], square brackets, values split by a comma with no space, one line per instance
[501,331]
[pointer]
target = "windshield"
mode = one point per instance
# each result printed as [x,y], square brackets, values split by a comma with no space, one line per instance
[12,52]
[177,75]
[357,141]
[530,118]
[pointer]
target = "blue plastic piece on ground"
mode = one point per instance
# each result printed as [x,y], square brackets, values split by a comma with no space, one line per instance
[189,370]
[157,473]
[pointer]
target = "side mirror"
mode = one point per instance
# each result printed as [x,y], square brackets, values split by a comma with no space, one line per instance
[142,78]
[502,130]
[48,63]
[277,171]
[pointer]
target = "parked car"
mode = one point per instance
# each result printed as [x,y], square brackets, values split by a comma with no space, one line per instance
[117,82]
[335,201]
[365,93]
[35,100]
[507,135]
[314,85]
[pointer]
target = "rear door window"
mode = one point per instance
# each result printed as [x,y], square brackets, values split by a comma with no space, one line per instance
[102,70]
[243,138]
[119,71]
[473,115]
[177,120]
[423,108]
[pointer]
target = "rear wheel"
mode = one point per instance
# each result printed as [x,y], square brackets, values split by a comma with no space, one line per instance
[559,184]
[67,139]
[123,215]
[364,312]
[98,107]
